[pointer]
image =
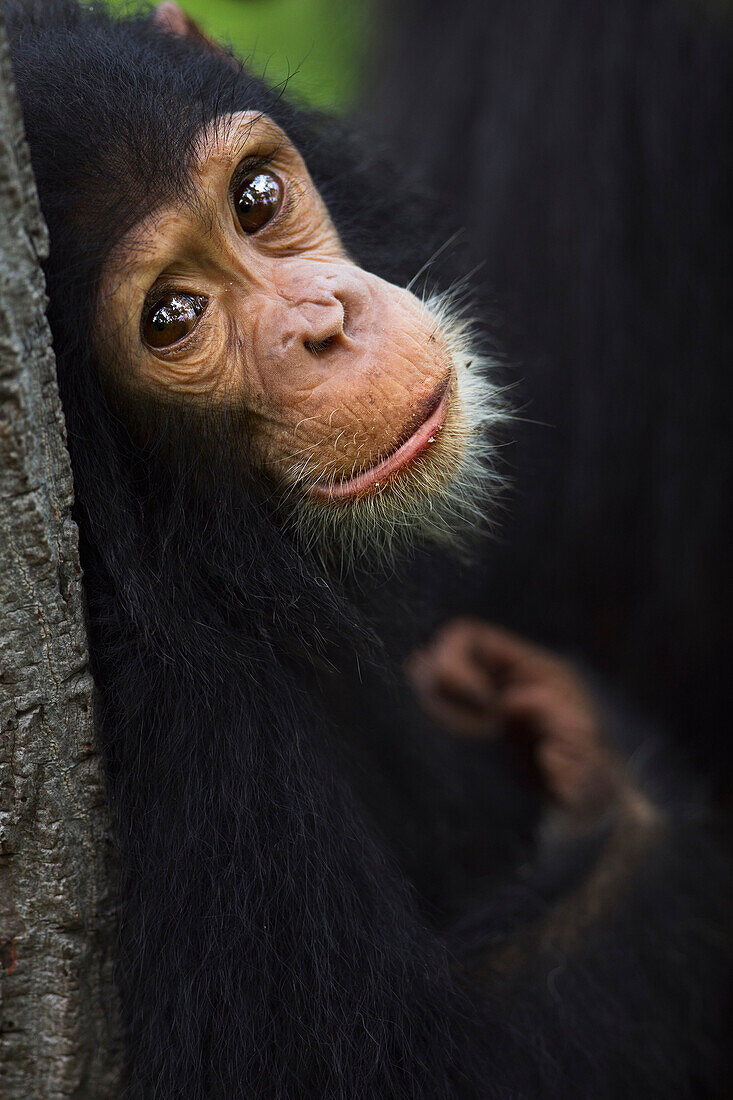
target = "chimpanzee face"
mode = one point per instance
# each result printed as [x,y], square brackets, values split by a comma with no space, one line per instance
[244,294]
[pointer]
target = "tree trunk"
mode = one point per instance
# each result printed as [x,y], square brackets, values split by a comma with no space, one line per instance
[58,1018]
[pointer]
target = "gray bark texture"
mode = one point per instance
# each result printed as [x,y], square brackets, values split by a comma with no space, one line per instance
[58,1017]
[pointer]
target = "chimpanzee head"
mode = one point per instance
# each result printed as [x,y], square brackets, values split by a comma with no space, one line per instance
[205,265]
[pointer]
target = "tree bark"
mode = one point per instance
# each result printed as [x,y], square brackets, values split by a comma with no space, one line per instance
[58,1013]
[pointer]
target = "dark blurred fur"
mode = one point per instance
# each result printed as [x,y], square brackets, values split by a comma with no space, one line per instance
[587,148]
[288,888]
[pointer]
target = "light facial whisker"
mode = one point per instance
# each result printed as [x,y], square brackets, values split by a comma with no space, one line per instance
[440,498]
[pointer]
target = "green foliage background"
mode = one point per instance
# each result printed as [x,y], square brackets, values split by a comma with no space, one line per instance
[316,45]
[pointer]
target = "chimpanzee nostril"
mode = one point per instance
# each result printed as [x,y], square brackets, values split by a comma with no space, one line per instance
[315,347]
[323,323]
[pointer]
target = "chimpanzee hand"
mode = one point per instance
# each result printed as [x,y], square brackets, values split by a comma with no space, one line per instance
[481,681]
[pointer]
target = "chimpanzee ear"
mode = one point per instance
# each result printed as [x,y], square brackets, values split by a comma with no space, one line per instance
[172,19]
[169,17]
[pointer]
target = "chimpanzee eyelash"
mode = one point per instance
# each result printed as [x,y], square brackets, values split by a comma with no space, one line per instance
[254,163]
[157,293]
[250,165]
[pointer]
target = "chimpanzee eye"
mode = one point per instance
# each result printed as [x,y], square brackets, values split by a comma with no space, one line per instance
[257,200]
[171,318]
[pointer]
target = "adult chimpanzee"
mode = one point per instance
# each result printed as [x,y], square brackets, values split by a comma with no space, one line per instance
[307,910]
[589,149]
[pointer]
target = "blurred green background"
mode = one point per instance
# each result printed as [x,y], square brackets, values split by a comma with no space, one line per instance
[317,45]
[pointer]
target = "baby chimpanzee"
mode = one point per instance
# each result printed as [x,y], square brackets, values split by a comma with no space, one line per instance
[257,411]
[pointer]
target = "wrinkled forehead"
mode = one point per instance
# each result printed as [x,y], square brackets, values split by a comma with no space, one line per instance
[208,164]
[228,139]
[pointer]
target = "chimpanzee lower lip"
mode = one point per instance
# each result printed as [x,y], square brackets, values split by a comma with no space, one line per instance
[404,455]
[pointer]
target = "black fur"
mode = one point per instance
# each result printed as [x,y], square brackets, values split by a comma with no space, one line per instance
[588,149]
[288,890]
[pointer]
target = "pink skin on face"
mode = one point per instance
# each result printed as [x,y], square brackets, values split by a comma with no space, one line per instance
[403,456]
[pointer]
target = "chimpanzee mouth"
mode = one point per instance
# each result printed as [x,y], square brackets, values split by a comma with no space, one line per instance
[435,484]
[419,440]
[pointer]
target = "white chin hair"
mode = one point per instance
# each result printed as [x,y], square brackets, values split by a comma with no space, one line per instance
[442,499]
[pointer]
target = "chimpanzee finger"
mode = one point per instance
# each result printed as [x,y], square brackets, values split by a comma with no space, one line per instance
[452,671]
[505,655]
[463,705]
